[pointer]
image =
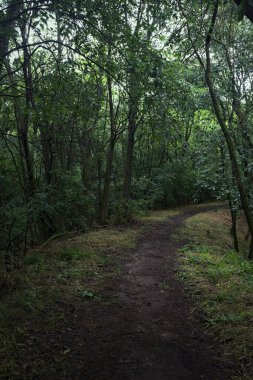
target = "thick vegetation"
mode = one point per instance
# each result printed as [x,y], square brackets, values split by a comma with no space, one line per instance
[55,280]
[111,108]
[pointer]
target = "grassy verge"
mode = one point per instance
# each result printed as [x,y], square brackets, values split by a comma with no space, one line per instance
[161,215]
[222,283]
[52,279]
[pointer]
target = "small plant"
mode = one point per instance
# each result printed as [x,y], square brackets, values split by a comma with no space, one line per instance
[28,300]
[69,254]
[163,285]
[33,259]
[88,293]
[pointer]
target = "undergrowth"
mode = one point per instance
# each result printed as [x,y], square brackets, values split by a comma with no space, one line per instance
[51,281]
[63,272]
[222,283]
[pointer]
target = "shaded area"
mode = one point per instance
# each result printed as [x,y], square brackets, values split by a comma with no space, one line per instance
[248,5]
[143,329]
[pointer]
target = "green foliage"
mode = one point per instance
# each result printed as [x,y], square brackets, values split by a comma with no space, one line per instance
[33,259]
[80,119]
[146,192]
[127,210]
[69,254]
[177,184]
[87,293]
[70,205]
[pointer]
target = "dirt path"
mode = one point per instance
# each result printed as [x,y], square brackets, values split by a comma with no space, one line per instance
[148,332]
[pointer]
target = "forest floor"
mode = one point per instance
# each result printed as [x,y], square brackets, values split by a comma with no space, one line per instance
[116,306]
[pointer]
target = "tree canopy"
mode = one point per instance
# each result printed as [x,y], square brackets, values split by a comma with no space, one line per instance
[110,108]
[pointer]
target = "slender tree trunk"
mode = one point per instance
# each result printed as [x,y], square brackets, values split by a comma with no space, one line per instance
[59,47]
[47,151]
[6,26]
[85,145]
[110,155]
[22,131]
[107,180]
[232,209]
[132,126]
[231,148]
[99,189]
[129,156]
[233,213]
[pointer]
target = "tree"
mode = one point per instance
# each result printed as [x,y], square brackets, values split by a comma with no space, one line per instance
[245,8]
[224,110]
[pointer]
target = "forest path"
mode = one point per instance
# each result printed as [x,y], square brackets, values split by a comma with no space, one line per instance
[148,332]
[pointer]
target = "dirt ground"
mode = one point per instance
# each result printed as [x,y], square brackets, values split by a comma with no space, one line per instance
[145,331]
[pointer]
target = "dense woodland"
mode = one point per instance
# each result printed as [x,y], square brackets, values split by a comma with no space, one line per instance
[110,108]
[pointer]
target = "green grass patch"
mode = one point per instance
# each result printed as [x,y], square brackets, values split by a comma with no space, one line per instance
[72,253]
[33,259]
[222,281]
[157,216]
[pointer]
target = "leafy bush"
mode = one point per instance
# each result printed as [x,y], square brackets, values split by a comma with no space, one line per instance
[67,205]
[176,182]
[126,210]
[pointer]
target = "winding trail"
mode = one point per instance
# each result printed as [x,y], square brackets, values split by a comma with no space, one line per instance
[149,332]
[145,331]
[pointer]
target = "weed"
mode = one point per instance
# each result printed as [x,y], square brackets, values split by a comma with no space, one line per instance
[163,285]
[70,253]
[70,273]
[88,293]
[33,259]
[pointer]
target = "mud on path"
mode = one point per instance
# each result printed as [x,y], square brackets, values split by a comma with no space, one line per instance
[149,332]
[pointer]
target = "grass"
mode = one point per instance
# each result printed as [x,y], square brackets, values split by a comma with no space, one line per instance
[163,286]
[161,215]
[222,282]
[65,270]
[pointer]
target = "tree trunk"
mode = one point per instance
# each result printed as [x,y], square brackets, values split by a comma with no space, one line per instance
[110,155]
[232,209]
[132,126]
[107,180]
[85,145]
[6,26]
[232,151]
[47,151]
[129,158]
[233,213]
[22,132]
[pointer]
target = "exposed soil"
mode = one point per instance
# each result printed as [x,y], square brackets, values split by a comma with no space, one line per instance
[146,330]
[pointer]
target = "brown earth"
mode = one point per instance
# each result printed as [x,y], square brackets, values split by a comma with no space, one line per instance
[145,331]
